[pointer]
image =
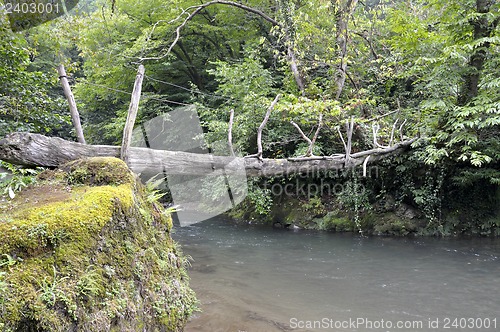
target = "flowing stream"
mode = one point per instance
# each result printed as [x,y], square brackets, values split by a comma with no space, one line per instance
[254,278]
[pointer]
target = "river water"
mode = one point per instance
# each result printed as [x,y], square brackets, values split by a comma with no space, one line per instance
[254,278]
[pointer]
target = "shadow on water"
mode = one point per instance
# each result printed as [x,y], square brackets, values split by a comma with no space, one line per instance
[252,278]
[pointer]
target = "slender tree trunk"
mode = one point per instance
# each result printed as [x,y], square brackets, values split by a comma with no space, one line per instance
[75,116]
[481,28]
[344,10]
[263,124]
[230,132]
[295,70]
[132,114]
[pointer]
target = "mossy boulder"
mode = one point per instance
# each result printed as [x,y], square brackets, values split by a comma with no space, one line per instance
[98,171]
[334,221]
[87,249]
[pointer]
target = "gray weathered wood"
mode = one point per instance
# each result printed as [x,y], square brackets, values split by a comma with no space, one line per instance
[132,115]
[38,150]
[309,152]
[230,132]
[261,128]
[75,116]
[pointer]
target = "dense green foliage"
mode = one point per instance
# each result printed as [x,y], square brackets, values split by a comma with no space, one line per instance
[27,99]
[432,64]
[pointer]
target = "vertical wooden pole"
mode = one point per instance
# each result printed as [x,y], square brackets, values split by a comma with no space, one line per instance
[75,117]
[132,114]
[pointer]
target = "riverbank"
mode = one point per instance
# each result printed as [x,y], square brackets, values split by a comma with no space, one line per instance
[375,211]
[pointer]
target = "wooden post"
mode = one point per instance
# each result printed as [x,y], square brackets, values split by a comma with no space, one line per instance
[132,114]
[75,117]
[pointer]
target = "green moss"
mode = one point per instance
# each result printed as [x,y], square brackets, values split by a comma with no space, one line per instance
[98,171]
[89,259]
[391,224]
[333,222]
[76,219]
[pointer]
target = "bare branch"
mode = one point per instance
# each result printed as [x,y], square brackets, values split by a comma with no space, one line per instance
[197,10]
[311,142]
[75,116]
[230,132]
[381,116]
[381,151]
[262,125]
[350,130]
[132,114]
[315,137]
[375,129]
[364,165]
[401,130]
[392,132]
[304,136]
[342,138]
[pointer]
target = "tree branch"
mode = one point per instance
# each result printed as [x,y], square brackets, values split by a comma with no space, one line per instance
[369,42]
[230,132]
[304,136]
[197,10]
[132,114]
[350,130]
[342,139]
[315,137]
[392,132]
[401,130]
[342,37]
[261,128]
[75,116]
[295,70]
[309,152]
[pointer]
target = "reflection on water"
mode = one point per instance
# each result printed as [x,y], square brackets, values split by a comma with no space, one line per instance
[251,278]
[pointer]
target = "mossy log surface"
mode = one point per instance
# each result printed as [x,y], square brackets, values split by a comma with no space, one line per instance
[86,249]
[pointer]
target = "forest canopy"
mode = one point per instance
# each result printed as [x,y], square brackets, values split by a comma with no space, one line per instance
[398,69]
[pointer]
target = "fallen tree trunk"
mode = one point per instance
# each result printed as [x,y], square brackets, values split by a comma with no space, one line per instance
[38,150]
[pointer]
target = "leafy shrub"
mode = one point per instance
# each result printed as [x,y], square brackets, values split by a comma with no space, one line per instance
[16,178]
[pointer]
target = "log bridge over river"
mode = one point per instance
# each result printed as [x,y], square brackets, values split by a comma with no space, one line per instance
[38,150]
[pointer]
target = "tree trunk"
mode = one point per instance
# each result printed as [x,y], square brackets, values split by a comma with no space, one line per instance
[38,150]
[482,28]
[132,114]
[344,10]
[75,117]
